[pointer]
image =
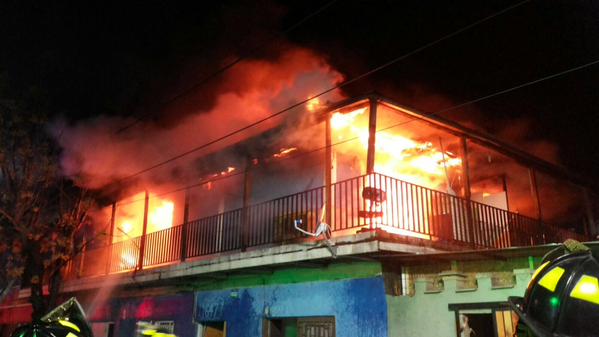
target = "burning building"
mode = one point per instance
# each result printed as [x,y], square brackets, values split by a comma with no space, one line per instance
[222,255]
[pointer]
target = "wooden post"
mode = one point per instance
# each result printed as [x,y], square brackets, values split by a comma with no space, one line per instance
[142,245]
[534,188]
[589,229]
[466,192]
[184,227]
[465,169]
[247,193]
[111,237]
[507,199]
[371,136]
[328,171]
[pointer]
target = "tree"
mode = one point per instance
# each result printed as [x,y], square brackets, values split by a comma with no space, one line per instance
[40,210]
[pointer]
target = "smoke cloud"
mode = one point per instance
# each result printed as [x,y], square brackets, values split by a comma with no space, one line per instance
[96,155]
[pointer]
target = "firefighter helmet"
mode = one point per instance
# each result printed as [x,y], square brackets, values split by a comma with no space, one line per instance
[562,298]
[43,329]
[66,320]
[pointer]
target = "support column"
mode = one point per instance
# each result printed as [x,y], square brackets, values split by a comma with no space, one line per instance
[247,193]
[328,171]
[371,136]
[507,198]
[466,193]
[142,244]
[185,227]
[590,229]
[110,237]
[534,189]
[465,169]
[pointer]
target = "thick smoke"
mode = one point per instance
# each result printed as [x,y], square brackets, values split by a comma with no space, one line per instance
[96,155]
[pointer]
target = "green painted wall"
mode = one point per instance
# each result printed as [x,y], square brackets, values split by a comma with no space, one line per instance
[428,314]
[336,271]
[291,329]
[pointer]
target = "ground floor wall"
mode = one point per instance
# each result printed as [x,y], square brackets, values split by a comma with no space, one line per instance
[358,306]
[351,295]
[355,297]
[434,306]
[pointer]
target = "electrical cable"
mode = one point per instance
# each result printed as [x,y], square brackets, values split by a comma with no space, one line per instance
[341,85]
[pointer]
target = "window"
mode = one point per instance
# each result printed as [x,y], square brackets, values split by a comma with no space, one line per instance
[484,319]
[301,327]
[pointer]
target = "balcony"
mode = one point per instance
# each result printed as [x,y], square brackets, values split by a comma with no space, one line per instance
[369,202]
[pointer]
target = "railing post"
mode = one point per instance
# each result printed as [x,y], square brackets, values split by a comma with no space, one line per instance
[184,227]
[467,194]
[110,238]
[142,244]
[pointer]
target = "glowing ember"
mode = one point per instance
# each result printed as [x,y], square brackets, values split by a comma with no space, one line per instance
[227,171]
[285,151]
[313,104]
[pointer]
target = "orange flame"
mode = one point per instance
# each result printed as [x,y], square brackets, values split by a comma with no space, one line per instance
[129,217]
[398,156]
[313,104]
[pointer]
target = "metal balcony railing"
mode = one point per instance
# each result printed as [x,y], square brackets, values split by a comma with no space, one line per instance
[369,201]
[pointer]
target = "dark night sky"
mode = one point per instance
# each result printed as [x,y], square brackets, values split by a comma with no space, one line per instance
[81,60]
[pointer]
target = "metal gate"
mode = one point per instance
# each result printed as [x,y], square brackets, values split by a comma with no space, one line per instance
[316,327]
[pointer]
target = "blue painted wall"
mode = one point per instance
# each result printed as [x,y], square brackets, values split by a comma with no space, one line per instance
[359,306]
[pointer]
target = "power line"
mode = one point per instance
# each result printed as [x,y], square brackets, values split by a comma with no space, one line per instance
[341,85]
[435,113]
[231,64]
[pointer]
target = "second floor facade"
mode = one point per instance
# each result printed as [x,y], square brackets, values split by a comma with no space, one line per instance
[366,164]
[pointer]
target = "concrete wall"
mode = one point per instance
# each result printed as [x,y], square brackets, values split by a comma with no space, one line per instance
[427,314]
[358,306]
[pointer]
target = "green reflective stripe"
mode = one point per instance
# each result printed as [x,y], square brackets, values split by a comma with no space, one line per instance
[70,334]
[586,289]
[551,278]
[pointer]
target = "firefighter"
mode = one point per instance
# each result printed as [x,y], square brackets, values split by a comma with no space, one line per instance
[562,298]
[67,320]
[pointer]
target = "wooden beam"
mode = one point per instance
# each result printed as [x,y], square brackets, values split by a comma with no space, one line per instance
[371,135]
[142,246]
